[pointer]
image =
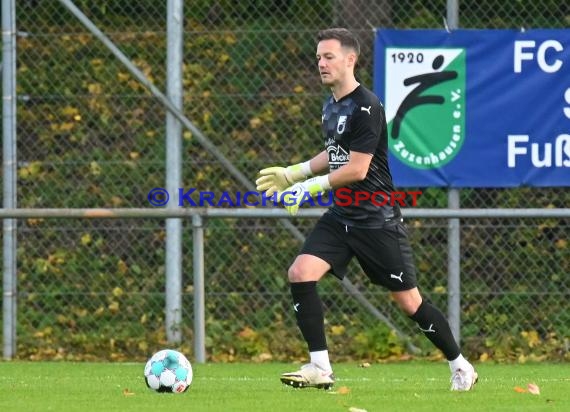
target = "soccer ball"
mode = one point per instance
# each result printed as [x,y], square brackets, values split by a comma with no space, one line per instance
[168,371]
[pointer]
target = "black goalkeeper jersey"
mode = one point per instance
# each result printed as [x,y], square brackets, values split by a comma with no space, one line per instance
[357,122]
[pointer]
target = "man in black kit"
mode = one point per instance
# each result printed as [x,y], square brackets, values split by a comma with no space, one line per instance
[356,160]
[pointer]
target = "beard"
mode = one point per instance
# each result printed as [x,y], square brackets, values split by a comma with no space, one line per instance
[327,81]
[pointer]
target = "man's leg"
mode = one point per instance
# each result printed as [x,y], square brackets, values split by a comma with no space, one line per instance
[310,320]
[436,328]
[325,250]
[304,274]
[387,258]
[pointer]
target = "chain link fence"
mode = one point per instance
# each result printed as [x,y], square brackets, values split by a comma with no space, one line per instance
[90,135]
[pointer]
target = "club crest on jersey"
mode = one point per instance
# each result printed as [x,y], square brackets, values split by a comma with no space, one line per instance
[341,124]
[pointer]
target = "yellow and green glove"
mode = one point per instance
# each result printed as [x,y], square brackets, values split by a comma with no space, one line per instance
[276,179]
[294,196]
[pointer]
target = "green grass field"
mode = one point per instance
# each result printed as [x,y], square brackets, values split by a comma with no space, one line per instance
[409,386]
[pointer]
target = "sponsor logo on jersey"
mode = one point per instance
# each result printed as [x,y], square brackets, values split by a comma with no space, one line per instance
[337,155]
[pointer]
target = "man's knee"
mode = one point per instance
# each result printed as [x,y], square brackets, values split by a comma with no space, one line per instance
[295,273]
[408,300]
[307,268]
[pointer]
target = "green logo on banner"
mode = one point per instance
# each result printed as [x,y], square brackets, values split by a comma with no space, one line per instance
[425,105]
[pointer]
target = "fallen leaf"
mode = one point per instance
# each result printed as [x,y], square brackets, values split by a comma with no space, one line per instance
[519,389]
[353,409]
[343,390]
[127,392]
[533,388]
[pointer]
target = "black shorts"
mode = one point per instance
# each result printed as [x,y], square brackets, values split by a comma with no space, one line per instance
[384,254]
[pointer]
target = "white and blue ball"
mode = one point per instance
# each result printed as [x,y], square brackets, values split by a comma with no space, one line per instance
[168,371]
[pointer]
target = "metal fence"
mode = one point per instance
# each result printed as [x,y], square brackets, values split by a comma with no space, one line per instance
[90,133]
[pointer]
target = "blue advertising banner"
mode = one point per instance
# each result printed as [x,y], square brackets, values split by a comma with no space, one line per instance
[476,108]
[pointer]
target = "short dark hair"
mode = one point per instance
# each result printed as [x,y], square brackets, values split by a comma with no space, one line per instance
[344,36]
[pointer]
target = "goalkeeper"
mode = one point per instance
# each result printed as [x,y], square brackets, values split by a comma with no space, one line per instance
[355,157]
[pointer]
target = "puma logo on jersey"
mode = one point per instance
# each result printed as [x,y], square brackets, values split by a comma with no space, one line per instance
[366,109]
[399,277]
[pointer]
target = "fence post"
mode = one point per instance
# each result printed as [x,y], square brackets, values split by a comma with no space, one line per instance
[9,172]
[453,235]
[199,289]
[173,160]
[452,14]
[454,268]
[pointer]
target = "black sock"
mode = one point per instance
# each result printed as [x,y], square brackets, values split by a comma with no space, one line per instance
[309,313]
[436,328]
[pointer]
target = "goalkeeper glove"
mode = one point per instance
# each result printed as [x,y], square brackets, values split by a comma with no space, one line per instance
[276,179]
[299,192]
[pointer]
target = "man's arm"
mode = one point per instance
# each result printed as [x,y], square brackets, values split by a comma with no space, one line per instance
[320,163]
[354,171]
